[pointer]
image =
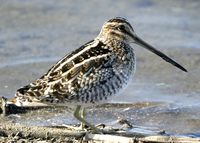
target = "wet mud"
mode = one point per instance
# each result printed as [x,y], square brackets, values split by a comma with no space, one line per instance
[34,35]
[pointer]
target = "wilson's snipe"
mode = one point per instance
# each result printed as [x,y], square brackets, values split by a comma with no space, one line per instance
[90,75]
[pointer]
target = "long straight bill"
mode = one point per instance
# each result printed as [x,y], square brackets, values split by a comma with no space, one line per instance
[157,52]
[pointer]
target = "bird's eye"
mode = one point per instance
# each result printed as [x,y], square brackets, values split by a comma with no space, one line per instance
[121,27]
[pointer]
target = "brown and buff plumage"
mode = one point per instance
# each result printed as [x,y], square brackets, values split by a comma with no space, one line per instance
[92,74]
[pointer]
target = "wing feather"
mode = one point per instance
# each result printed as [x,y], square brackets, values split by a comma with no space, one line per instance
[73,74]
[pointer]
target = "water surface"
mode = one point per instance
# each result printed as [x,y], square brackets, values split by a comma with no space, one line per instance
[34,35]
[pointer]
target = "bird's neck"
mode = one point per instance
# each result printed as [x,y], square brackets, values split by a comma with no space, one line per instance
[112,43]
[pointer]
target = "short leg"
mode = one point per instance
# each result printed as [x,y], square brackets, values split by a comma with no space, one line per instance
[83,114]
[82,127]
[78,117]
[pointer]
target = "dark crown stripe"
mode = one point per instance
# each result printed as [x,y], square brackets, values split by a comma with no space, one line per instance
[119,20]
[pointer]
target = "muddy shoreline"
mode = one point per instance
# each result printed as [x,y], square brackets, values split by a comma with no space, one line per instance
[34,35]
[15,132]
[20,133]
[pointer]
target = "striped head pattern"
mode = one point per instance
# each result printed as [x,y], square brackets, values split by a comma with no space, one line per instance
[119,29]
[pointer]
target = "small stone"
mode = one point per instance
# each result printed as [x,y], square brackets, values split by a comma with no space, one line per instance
[125,123]
[100,125]
[161,132]
[11,135]
[53,139]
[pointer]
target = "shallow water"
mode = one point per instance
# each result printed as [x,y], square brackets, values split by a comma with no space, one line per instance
[34,35]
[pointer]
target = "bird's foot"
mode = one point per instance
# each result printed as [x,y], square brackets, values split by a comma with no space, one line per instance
[80,128]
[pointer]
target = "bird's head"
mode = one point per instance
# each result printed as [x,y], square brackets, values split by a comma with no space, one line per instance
[120,29]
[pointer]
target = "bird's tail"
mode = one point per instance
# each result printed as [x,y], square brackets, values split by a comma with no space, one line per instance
[26,96]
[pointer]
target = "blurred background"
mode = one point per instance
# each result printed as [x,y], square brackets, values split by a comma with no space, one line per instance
[34,35]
